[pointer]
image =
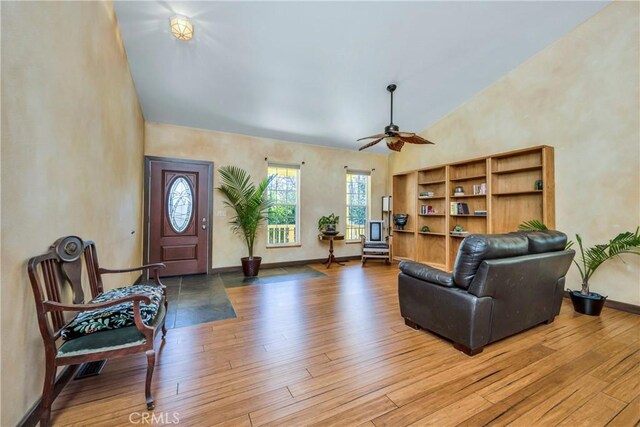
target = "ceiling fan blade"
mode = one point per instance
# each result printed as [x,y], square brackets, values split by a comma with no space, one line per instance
[382,135]
[370,144]
[396,146]
[416,139]
[404,134]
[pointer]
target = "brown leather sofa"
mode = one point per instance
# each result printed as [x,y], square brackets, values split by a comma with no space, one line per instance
[501,284]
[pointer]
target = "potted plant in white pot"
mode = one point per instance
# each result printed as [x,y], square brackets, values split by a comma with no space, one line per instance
[250,204]
[584,301]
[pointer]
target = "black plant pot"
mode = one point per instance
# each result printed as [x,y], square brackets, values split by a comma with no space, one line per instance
[251,267]
[587,304]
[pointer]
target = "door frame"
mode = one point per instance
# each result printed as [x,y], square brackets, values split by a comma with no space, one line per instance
[147,198]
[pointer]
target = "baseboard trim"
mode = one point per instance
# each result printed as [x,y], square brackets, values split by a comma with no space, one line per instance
[284,264]
[32,418]
[617,305]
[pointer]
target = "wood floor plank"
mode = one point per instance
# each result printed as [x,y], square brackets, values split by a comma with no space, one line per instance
[629,416]
[334,351]
[598,411]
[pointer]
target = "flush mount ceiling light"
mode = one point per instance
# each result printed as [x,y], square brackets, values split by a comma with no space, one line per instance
[181,28]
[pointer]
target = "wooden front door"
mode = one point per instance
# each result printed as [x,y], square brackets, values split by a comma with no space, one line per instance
[178,215]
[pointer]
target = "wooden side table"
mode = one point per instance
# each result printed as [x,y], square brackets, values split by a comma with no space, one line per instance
[331,259]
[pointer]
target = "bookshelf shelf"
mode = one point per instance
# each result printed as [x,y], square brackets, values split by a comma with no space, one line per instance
[470,177]
[509,179]
[518,193]
[517,170]
[466,196]
[437,181]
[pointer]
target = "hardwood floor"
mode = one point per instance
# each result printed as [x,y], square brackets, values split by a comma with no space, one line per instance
[335,351]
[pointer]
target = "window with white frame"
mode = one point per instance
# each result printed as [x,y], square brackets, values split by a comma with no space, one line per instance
[283,217]
[358,189]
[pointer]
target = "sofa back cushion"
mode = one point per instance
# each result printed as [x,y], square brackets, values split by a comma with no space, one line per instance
[478,247]
[546,241]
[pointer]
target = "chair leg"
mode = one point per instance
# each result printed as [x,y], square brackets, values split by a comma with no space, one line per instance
[151,361]
[47,393]
[164,321]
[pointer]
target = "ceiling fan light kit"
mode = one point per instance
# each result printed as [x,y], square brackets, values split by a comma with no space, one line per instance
[394,139]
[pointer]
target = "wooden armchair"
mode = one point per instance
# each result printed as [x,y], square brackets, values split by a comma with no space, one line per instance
[92,339]
[374,244]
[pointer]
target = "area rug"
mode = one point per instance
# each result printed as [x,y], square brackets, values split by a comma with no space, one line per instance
[269,275]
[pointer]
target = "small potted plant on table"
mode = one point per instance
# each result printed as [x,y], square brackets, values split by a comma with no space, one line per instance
[327,224]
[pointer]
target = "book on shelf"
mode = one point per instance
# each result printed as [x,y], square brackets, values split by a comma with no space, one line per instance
[480,213]
[480,189]
[459,208]
[460,233]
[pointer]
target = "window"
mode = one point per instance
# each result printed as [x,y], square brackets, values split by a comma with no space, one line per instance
[283,216]
[357,203]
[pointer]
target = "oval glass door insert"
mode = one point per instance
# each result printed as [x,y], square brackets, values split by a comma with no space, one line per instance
[180,204]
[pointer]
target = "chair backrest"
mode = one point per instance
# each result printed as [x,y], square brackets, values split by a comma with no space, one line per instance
[477,248]
[62,264]
[374,232]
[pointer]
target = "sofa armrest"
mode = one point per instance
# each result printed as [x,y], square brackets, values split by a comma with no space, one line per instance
[427,273]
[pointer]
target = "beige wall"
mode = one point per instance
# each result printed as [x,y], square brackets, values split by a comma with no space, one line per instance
[322,184]
[580,95]
[72,155]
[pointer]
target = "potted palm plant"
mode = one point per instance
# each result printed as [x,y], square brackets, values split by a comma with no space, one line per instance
[250,204]
[584,301]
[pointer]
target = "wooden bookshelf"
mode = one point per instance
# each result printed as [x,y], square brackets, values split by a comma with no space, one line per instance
[511,197]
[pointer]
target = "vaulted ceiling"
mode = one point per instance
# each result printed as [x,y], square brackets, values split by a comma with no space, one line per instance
[316,72]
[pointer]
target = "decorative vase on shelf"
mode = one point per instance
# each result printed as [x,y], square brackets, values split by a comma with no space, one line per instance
[400,220]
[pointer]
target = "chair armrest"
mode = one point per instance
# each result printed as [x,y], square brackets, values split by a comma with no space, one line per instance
[128,270]
[427,273]
[154,267]
[56,306]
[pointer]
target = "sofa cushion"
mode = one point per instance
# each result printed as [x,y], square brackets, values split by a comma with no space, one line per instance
[427,273]
[117,316]
[546,241]
[477,247]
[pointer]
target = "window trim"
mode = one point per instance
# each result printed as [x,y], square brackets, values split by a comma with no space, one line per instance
[368,207]
[298,241]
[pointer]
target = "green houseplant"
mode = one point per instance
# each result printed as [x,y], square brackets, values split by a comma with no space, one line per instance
[327,224]
[584,301]
[250,204]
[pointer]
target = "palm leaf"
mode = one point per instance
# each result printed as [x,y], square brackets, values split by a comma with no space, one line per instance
[595,256]
[246,200]
[532,225]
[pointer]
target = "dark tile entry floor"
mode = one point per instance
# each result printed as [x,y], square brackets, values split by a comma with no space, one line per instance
[196,299]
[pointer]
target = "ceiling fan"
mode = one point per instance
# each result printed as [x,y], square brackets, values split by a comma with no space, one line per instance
[393,137]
